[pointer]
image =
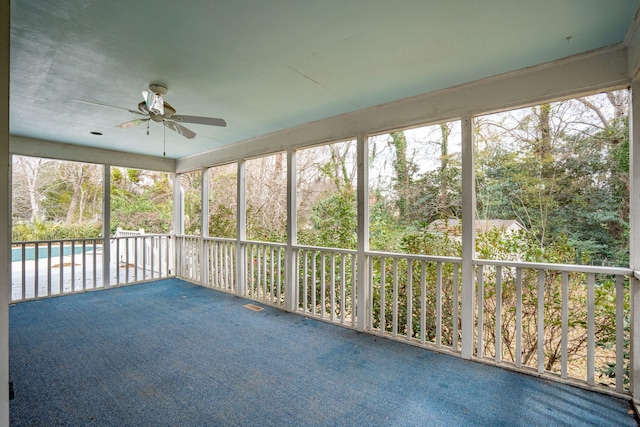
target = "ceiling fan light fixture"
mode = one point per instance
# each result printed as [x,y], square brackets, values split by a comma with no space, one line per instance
[155,103]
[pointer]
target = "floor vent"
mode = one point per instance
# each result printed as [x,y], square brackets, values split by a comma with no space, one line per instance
[253,307]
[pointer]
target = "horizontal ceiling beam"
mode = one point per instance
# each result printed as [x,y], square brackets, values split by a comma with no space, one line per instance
[54,150]
[586,73]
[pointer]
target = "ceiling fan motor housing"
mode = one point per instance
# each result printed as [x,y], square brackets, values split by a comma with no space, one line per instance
[158,89]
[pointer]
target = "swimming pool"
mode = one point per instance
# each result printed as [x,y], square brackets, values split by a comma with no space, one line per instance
[43,252]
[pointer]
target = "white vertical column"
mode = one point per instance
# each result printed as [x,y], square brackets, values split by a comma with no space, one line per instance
[178,221]
[106,226]
[363,284]
[178,205]
[204,225]
[241,225]
[634,236]
[5,214]
[291,264]
[468,236]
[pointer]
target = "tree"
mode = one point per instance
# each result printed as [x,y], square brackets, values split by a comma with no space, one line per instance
[561,169]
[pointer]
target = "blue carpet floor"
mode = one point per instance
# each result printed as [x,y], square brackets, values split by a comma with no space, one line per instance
[169,353]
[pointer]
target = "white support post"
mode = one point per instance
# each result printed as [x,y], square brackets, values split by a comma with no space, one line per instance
[363,283]
[634,238]
[178,208]
[241,221]
[468,236]
[106,226]
[204,225]
[291,265]
[178,220]
[5,214]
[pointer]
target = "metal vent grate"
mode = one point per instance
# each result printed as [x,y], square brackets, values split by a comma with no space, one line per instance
[253,307]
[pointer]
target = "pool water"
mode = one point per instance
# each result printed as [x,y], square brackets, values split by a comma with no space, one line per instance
[43,252]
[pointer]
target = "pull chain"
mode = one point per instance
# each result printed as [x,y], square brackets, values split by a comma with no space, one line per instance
[164,140]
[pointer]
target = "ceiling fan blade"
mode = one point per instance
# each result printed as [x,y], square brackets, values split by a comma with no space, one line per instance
[106,105]
[200,120]
[176,127]
[132,123]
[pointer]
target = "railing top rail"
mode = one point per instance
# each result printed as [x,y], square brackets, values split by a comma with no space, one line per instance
[81,239]
[325,249]
[220,239]
[558,267]
[141,236]
[258,242]
[430,258]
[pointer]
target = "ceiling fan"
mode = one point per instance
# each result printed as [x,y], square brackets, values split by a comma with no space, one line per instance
[156,109]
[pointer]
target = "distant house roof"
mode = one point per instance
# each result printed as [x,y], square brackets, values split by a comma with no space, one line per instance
[452,225]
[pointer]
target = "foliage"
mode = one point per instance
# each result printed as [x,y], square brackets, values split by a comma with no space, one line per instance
[40,230]
[334,221]
[140,203]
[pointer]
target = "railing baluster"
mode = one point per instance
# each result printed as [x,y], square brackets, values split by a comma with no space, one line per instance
[313,282]
[383,291]
[498,337]
[152,256]
[333,286]
[279,288]
[305,273]
[343,284]
[565,325]
[323,286]
[144,257]
[265,275]
[271,293]
[620,333]
[135,259]
[423,301]
[254,267]
[84,265]
[370,286]
[24,270]
[480,304]
[438,304]
[354,314]
[395,298]
[518,317]
[456,309]
[61,270]
[36,255]
[219,277]
[95,263]
[409,320]
[49,268]
[591,328]
[541,278]
[73,266]
[126,260]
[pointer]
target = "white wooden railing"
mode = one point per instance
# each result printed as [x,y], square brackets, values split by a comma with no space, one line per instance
[549,319]
[546,319]
[416,298]
[327,284]
[47,268]
[265,272]
[56,267]
[141,257]
[566,322]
